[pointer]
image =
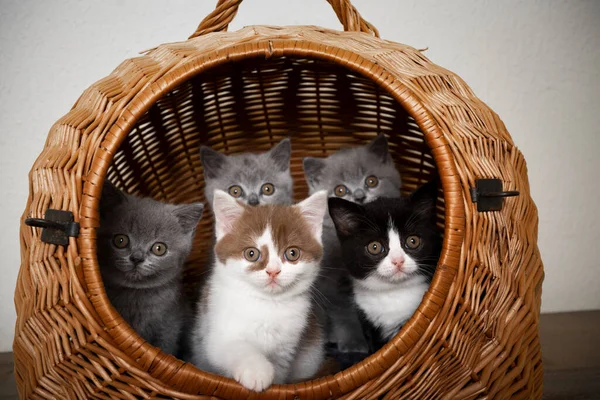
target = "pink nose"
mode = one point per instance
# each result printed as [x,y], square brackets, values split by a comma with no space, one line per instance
[398,262]
[273,274]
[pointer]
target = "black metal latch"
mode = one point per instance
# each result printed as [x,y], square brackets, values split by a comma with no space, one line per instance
[488,194]
[58,226]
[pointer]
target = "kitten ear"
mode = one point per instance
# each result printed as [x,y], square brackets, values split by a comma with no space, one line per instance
[281,154]
[189,215]
[379,147]
[424,199]
[227,211]
[111,196]
[346,215]
[313,169]
[212,161]
[313,210]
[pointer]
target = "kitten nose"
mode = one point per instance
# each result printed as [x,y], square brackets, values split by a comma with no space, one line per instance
[273,273]
[136,257]
[359,195]
[398,262]
[253,199]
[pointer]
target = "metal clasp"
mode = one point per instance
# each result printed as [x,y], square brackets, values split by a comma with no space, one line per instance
[57,226]
[488,194]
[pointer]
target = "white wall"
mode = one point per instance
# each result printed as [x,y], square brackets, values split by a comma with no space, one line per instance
[536,63]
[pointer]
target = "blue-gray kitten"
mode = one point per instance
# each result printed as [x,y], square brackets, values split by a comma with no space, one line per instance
[251,178]
[142,247]
[360,175]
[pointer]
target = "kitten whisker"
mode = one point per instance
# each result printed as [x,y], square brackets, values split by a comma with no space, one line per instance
[317,303]
[320,294]
[330,268]
[321,276]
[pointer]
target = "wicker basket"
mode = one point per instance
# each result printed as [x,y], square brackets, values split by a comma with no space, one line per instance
[475,334]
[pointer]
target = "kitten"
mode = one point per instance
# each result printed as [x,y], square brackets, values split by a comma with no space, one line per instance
[142,246]
[251,178]
[256,317]
[361,175]
[392,247]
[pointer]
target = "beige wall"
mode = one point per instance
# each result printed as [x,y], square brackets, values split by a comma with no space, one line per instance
[536,63]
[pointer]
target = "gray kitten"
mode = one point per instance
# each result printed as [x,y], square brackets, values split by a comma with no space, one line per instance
[251,178]
[142,247]
[360,175]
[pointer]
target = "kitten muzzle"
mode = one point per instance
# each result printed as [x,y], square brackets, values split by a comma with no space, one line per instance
[127,266]
[136,257]
[273,273]
[398,262]
[273,281]
[359,196]
[253,200]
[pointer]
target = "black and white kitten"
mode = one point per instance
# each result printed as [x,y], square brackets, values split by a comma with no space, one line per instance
[142,247]
[361,175]
[391,248]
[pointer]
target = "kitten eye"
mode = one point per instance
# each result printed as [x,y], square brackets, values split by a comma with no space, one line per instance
[121,241]
[412,242]
[236,191]
[371,181]
[159,248]
[292,254]
[340,190]
[252,254]
[267,189]
[375,248]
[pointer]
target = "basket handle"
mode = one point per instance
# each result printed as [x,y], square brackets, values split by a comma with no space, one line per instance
[223,14]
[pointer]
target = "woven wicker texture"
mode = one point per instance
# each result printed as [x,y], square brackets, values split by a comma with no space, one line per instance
[475,335]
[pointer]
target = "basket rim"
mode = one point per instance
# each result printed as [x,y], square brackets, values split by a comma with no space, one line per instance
[178,376]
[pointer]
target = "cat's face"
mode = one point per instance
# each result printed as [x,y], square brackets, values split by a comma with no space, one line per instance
[253,179]
[274,249]
[143,243]
[389,241]
[360,174]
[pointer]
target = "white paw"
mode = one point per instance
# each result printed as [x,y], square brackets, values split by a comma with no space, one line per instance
[254,373]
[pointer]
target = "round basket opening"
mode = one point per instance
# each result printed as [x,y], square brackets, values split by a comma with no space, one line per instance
[250,105]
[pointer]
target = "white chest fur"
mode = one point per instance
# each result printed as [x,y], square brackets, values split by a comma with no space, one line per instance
[273,327]
[389,309]
[266,323]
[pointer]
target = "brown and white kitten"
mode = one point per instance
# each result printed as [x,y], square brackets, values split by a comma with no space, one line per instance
[256,319]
